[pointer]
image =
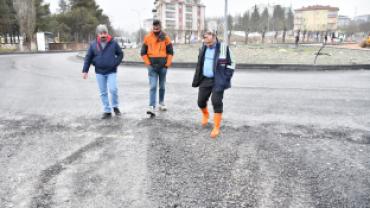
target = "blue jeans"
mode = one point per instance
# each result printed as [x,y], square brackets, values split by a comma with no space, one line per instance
[111,79]
[153,80]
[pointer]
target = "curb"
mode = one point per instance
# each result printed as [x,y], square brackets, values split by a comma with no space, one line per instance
[286,67]
[38,52]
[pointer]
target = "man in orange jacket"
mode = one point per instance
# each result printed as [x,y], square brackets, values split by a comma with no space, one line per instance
[157,53]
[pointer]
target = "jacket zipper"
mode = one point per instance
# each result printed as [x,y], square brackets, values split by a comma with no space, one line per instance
[151,46]
[160,46]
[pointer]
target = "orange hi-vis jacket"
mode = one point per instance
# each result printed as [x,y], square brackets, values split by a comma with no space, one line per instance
[157,51]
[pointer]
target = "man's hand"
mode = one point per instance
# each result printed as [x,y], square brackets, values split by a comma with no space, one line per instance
[84,75]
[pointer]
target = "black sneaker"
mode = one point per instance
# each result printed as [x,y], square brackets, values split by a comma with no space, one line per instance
[116,111]
[106,115]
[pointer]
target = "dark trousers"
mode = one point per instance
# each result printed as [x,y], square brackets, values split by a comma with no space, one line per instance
[206,88]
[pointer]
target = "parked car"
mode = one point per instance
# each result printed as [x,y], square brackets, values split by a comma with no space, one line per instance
[124,42]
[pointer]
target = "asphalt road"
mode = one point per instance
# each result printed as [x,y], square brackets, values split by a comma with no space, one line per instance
[288,139]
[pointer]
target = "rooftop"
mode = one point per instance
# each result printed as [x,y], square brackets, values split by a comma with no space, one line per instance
[318,7]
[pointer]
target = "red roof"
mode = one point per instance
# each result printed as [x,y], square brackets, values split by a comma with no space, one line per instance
[318,7]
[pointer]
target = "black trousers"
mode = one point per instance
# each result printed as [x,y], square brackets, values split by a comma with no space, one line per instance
[206,88]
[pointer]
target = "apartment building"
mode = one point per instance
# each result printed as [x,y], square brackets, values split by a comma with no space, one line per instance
[183,17]
[343,21]
[316,18]
[364,17]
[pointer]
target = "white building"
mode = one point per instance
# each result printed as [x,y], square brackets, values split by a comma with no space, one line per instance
[343,20]
[364,17]
[183,17]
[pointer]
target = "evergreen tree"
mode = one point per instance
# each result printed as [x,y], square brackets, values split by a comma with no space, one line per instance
[63,6]
[9,25]
[43,15]
[87,4]
[5,18]
[255,19]
[290,20]
[278,18]
[264,20]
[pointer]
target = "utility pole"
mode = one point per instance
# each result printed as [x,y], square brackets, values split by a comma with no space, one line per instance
[139,20]
[225,29]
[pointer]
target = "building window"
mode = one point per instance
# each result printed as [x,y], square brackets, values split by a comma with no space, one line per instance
[170,15]
[324,19]
[317,26]
[198,17]
[188,17]
[324,25]
[324,12]
[198,25]
[170,7]
[189,9]
[189,25]
[180,23]
[318,12]
[180,6]
[311,19]
[318,19]
[311,13]
[180,14]
[198,9]
[170,24]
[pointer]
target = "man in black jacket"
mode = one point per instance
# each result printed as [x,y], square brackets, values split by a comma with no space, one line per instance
[216,66]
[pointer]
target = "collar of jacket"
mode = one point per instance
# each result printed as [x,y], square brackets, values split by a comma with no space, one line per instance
[161,37]
[217,44]
[108,36]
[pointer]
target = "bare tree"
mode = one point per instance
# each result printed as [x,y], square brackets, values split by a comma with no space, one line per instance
[26,16]
[230,21]
[284,33]
[172,33]
[245,26]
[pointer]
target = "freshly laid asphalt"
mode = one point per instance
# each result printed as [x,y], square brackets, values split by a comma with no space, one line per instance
[288,139]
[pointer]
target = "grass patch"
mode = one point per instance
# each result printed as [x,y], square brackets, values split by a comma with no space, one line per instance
[5,50]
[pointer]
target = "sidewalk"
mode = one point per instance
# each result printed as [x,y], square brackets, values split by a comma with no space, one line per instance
[275,57]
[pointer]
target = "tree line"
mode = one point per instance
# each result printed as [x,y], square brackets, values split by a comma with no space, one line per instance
[282,19]
[256,21]
[75,20]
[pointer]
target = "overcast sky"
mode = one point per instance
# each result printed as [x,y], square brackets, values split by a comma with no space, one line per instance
[121,14]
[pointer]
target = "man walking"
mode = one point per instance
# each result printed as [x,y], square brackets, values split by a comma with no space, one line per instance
[297,41]
[157,53]
[102,54]
[215,68]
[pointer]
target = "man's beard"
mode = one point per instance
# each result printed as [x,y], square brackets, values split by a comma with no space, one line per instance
[103,39]
[157,33]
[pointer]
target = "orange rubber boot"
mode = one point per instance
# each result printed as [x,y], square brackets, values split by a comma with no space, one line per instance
[216,125]
[205,116]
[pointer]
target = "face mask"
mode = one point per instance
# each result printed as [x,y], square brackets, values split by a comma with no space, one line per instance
[103,39]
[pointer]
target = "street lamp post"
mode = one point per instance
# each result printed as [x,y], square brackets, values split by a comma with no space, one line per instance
[225,29]
[139,20]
